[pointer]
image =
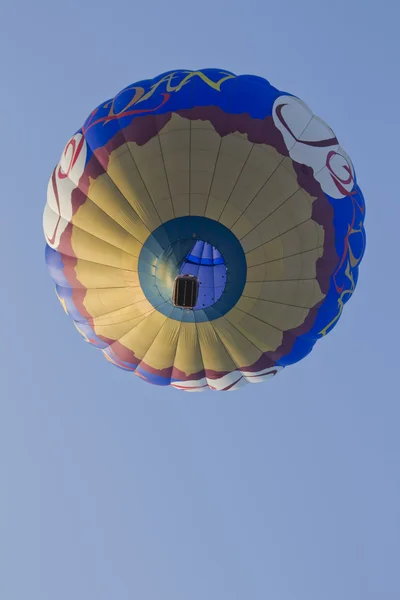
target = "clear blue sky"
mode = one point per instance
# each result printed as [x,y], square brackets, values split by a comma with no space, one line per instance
[111,489]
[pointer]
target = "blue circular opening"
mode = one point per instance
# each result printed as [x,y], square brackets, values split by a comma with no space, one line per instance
[193,246]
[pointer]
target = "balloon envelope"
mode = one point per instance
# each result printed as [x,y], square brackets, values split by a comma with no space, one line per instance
[222,178]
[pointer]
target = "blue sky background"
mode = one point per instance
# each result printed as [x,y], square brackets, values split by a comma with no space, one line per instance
[114,489]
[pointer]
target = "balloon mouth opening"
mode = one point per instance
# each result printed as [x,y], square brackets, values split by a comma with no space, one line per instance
[207,269]
[192,274]
[206,251]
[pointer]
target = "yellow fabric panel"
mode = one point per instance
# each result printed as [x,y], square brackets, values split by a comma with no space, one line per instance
[188,356]
[279,188]
[143,335]
[175,147]
[303,293]
[295,211]
[104,193]
[90,248]
[259,168]
[256,273]
[233,154]
[255,257]
[299,266]
[92,276]
[136,309]
[93,220]
[204,147]
[161,353]
[267,230]
[242,351]
[254,289]
[214,354]
[292,213]
[214,207]
[167,168]
[281,316]
[262,335]
[117,331]
[127,176]
[198,202]
[200,124]
[177,123]
[101,302]
[306,236]
[149,160]
[302,238]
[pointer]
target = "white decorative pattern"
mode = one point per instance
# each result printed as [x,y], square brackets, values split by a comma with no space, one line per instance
[311,142]
[64,180]
[230,382]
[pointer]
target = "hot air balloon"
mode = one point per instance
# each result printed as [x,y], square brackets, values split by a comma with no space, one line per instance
[204,229]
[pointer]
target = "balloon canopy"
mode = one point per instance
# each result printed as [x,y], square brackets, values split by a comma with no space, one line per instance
[222,178]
